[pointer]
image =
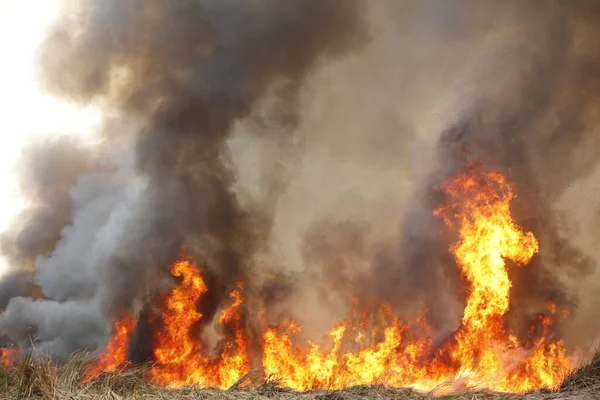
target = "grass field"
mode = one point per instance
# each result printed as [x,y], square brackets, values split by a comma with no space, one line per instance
[41,379]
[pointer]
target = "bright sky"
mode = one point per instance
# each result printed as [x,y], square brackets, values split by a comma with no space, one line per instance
[26,113]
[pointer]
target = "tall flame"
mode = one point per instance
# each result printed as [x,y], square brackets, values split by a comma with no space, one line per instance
[479,205]
[115,355]
[180,356]
[377,347]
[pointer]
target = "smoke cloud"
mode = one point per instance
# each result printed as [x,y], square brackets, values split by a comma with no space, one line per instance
[297,146]
[185,72]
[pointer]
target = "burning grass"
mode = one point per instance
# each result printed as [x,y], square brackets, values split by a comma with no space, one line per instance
[374,346]
[42,378]
[483,354]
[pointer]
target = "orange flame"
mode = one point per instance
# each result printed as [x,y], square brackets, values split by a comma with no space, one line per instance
[376,347]
[180,357]
[480,205]
[8,357]
[392,361]
[482,354]
[115,355]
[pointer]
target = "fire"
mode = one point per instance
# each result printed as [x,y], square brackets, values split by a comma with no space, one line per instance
[482,353]
[376,347]
[115,355]
[8,357]
[181,358]
[392,361]
[479,204]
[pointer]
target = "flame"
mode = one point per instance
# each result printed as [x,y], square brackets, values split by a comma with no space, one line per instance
[235,360]
[180,357]
[392,361]
[482,353]
[8,357]
[115,355]
[376,347]
[479,203]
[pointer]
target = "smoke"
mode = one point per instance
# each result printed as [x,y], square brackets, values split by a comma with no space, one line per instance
[511,85]
[536,121]
[185,72]
[297,146]
[47,171]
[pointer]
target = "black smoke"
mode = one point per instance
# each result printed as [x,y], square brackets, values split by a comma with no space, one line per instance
[184,72]
[529,110]
[180,76]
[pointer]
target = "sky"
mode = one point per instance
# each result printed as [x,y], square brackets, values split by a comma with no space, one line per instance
[26,112]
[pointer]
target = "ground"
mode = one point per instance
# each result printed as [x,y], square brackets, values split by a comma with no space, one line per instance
[30,379]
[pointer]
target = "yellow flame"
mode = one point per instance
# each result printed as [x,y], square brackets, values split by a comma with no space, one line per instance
[377,347]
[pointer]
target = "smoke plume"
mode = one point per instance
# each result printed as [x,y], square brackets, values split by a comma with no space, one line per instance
[297,146]
[185,72]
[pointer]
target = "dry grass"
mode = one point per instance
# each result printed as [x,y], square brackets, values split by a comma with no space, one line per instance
[42,379]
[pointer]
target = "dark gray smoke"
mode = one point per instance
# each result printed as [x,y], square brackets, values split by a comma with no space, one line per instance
[185,72]
[296,145]
[539,128]
[47,172]
[537,123]
[528,94]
